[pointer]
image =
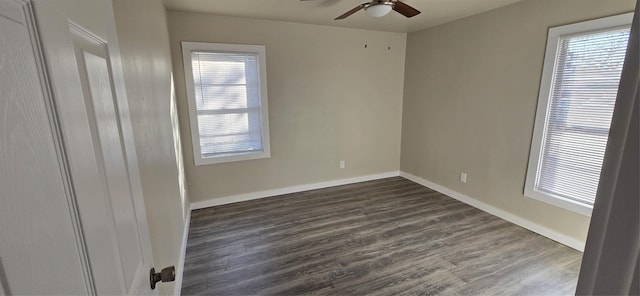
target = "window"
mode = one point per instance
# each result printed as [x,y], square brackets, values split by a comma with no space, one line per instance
[227,94]
[580,79]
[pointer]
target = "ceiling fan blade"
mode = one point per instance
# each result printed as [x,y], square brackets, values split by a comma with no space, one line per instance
[350,12]
[405,9]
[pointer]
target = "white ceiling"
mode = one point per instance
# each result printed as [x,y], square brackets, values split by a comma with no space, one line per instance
[323,12]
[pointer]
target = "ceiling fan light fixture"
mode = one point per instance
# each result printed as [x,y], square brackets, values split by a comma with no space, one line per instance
[379,9]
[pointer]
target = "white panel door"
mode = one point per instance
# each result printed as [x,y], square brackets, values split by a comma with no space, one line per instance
[40,249]
[72,217]
[82,58]
[107,140]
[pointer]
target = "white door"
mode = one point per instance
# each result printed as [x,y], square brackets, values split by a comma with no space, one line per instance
[39,250]
[96,155]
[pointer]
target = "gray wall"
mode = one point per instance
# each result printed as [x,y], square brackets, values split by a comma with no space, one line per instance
[471,88]
[330,99]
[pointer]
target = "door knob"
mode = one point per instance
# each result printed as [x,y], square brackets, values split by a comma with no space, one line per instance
[168,274]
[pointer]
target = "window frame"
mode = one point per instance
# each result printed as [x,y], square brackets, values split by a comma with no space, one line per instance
[187,49]
[544,103]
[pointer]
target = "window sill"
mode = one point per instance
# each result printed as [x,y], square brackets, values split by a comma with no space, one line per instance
[561,202]
[231,158]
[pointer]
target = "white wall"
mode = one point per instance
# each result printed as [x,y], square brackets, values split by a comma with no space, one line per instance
[146,60]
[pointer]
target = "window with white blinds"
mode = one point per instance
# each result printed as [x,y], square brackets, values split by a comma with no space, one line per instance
[578,92]
[226,88]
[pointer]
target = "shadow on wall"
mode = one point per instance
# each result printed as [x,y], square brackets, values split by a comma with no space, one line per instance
[4,283]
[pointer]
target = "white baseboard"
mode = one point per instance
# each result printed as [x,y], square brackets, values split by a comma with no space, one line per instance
[183,251]
[287,190]
[537,228]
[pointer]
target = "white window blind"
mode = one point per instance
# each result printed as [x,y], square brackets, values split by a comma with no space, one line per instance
[227,101]
[577,97]
[583,95]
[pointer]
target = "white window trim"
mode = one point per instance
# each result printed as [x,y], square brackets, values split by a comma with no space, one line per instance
[187,48]
[551,55]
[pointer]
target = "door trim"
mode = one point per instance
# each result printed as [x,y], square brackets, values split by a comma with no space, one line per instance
[86,35]
[183,253]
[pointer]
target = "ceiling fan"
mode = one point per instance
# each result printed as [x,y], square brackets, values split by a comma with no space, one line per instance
[379,8]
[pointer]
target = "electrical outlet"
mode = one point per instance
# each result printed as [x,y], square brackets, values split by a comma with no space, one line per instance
[342,164]
[463,177]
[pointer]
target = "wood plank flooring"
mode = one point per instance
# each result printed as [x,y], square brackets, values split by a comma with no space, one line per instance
[384,237]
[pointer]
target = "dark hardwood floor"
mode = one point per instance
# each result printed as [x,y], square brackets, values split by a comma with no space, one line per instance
[384,237]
